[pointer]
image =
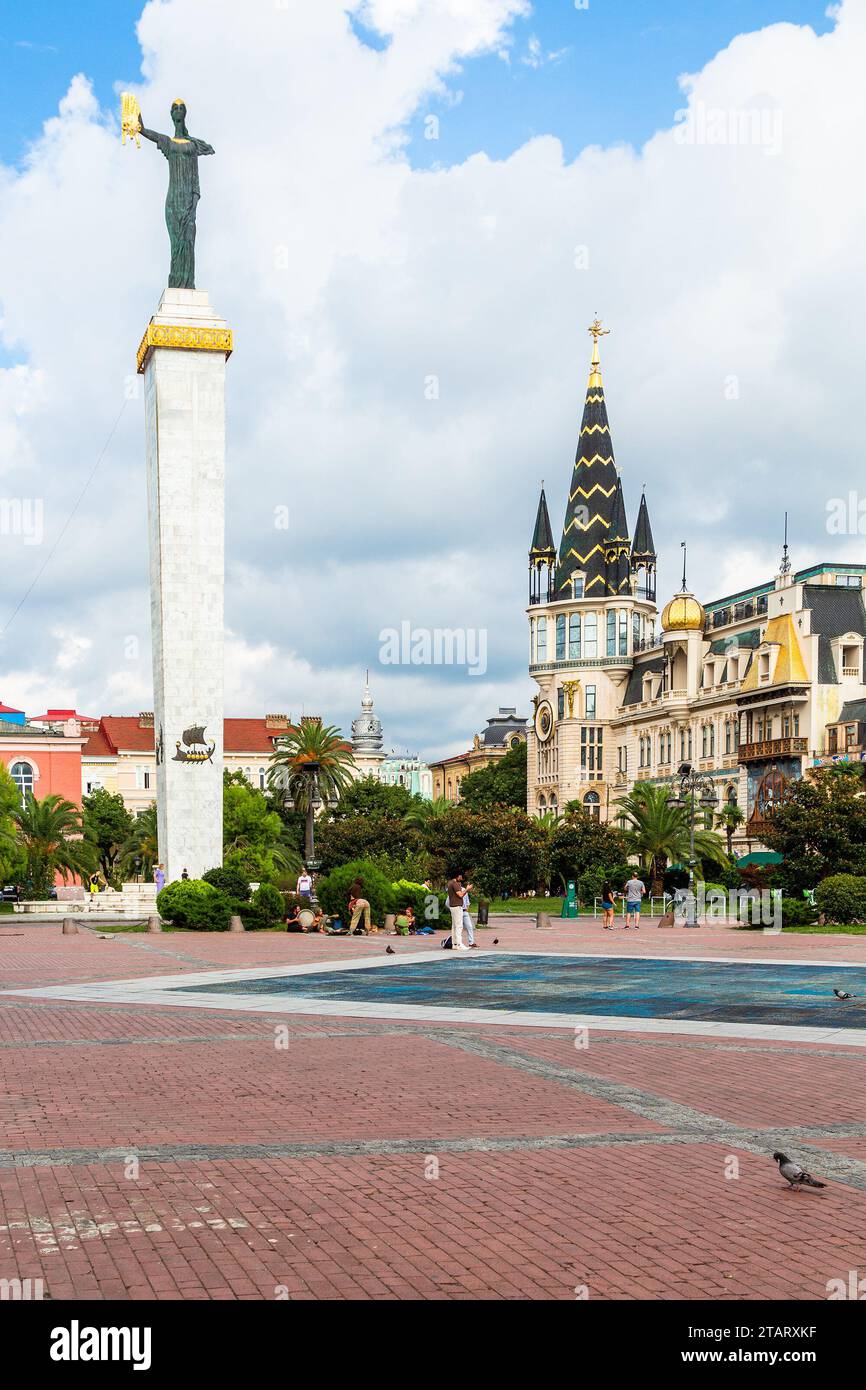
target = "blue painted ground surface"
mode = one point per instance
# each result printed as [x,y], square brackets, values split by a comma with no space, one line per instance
[710,991]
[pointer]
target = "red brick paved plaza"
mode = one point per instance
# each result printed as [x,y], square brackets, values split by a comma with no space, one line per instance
[171,1152]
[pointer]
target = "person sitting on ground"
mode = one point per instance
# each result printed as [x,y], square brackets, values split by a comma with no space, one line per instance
[405,921]
[319,921]
[293,921]
[608,906]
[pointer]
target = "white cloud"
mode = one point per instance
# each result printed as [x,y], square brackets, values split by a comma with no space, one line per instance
[351,280]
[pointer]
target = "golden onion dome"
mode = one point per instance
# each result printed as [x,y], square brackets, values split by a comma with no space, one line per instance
[683,614]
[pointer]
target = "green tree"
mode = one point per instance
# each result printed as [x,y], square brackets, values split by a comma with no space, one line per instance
[370,797]
[255,839]
[362,837]
[107,824]
[11,862]
[502,783]
[51,836]
[659,833]
[423,811]
[138,854]
[502,850]
[311,744]
[580,844]
[820,828]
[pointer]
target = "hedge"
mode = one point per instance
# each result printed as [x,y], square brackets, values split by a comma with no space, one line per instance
[333,891]
[194,904]
[842,898]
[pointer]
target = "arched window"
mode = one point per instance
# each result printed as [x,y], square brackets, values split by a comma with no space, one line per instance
[554,805]
[592,805]
[262,779]
[731,795]
[22,776]
[542,805]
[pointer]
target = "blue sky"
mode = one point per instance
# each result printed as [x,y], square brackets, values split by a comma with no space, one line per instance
[614,79]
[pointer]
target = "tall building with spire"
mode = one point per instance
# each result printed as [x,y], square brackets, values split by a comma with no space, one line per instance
[591,610]
[754,689]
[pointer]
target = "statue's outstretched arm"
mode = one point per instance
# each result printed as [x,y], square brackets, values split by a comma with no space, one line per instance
[149,134]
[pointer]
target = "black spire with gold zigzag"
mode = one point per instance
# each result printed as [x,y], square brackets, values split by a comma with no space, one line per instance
[595,538]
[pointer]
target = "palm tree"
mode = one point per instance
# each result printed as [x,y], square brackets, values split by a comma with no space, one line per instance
[729,819]
[50,833]
[421,815]
[311,762]
[139,853]
[658,832]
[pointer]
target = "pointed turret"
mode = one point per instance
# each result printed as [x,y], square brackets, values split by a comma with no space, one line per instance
[595,540]
[542,555]
[643,553]
[542,536]
[642,547]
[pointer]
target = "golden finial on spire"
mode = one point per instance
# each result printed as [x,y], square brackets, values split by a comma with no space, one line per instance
[597,332]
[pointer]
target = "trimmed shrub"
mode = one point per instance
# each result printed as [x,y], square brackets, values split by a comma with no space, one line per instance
[230,881]
[842,898]
[194,904]
[268,903]
[291,901]
[333,891]
[796,912]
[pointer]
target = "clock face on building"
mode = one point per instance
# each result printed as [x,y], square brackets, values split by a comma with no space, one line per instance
[543,721]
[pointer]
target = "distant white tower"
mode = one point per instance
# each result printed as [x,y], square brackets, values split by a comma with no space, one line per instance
[367,738]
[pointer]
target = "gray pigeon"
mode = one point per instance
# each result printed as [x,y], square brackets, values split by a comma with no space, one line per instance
[843,994]
[794,1174]
[389,951]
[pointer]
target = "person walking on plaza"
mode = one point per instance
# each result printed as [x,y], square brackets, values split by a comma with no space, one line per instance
[468,925]
[608,907]
[159,877]
[304,885]
[634,890]
[456,893]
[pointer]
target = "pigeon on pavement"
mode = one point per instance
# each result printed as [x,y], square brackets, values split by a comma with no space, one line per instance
[389,951]
[843,994]
[794,1174]
[496,940]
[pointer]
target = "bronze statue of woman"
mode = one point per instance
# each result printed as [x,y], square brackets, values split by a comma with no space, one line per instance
[182,152]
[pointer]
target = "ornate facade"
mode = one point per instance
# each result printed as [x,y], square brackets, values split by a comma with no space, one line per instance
[753,689]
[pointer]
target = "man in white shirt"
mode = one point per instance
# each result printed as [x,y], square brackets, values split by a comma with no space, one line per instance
[304,885]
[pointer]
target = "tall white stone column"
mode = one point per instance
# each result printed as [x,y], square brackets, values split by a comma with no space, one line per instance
[182,357]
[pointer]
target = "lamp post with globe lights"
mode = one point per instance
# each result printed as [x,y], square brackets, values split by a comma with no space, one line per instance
[309,773]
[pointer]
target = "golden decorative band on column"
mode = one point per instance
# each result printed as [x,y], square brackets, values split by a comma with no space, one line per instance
[175,335]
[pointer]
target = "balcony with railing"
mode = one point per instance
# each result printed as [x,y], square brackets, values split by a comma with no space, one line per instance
[767,749]
[739,612]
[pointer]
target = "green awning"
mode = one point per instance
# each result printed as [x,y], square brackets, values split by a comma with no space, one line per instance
[760,856]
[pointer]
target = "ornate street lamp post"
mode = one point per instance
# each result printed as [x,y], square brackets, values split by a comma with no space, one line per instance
[693,787]
[310,773]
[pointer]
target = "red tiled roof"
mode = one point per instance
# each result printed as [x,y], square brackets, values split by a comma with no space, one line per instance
[125,731]
[55,715]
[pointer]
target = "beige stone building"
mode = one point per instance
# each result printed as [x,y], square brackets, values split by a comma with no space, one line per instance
[505,730]
[754,689]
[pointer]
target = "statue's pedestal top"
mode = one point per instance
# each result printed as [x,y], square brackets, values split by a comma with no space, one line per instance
[185,319]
